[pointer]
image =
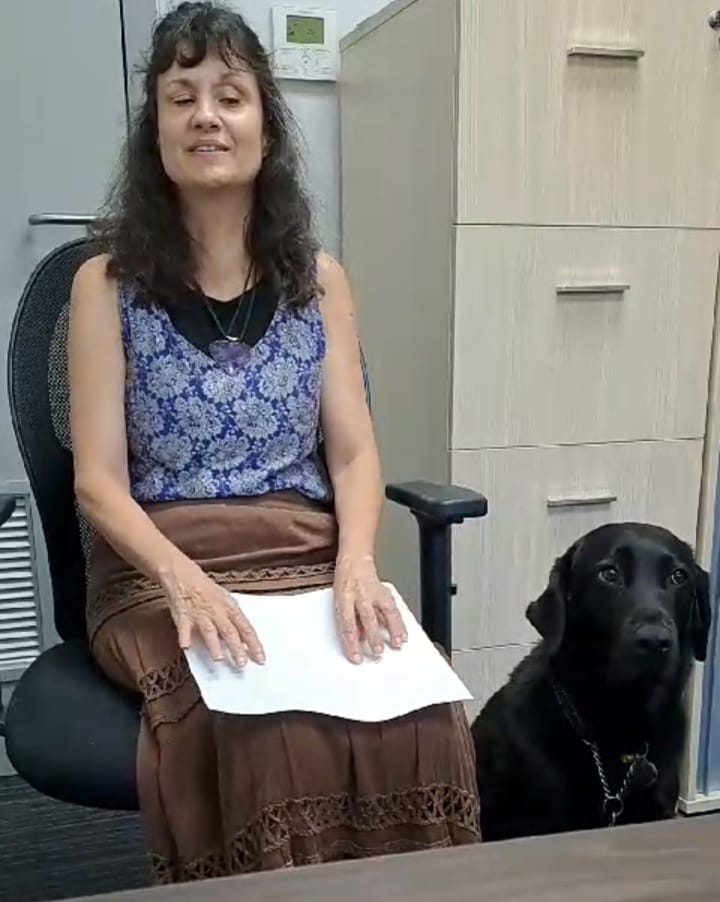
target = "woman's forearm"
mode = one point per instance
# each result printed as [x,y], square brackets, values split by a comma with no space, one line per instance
[358,491]
[122,522]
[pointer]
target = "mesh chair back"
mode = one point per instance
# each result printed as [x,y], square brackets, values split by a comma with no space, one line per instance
[40,409]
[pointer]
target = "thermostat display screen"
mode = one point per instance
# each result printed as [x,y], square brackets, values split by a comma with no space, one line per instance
[305,30]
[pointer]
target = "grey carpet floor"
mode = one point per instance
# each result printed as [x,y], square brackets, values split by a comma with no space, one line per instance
[49,850]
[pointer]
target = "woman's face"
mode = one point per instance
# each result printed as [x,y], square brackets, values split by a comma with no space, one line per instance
[210,125]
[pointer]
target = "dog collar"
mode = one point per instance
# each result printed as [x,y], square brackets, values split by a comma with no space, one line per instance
[639,769]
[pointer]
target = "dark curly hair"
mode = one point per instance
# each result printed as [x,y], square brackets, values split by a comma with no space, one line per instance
[141,227]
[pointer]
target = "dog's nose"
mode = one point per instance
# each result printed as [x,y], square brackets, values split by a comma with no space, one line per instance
[652,640]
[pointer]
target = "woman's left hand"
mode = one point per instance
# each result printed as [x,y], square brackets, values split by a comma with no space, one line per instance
[364,607]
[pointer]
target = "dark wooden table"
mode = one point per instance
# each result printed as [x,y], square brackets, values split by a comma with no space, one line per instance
[673,861]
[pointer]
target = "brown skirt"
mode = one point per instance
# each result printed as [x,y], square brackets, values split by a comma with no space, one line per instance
[223,794]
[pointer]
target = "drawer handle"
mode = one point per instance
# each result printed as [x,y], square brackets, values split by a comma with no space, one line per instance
[594,288]
[597,51]
[599,499]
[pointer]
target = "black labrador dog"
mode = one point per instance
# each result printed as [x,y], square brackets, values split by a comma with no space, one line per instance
[589,731]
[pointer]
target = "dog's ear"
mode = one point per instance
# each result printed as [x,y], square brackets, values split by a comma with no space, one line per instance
[701,616]
[547,613]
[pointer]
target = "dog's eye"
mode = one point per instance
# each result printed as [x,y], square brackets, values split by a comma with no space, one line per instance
[678,577]
[609,575]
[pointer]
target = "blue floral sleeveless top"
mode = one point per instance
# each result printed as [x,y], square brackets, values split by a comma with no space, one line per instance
[197,431]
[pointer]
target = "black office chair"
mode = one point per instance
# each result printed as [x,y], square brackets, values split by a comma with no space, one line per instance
[68,731]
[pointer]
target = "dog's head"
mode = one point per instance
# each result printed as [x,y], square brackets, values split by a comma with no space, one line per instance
[630,599]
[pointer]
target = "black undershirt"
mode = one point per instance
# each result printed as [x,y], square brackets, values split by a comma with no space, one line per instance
[193,322]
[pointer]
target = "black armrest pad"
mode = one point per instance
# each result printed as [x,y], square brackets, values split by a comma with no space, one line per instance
[444,503]
[7,508]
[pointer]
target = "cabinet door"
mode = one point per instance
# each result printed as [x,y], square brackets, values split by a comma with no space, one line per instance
[560,123]
[485,670]
[62,65]
[541,501]
[581,335]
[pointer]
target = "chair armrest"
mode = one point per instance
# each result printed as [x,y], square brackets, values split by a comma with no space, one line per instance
[436,508]
[7,508]
[442,503]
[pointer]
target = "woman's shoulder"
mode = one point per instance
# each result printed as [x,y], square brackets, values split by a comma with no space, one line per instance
[329,270]
[94,313]
[94,297]
[93,280]
[334,288]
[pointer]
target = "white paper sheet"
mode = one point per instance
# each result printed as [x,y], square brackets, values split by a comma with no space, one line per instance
[306,669]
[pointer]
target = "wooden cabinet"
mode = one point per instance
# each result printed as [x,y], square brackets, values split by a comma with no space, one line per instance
[588,111]
[581,335]
[531,224]
[543,498]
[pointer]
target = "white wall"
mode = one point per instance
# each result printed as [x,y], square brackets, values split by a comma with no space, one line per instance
[315,106]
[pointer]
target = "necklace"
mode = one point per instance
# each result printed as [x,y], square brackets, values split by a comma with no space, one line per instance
[230,352]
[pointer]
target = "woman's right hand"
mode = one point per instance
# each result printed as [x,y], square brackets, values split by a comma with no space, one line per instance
[198,604]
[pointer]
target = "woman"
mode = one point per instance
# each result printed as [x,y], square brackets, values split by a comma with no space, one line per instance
[208,344]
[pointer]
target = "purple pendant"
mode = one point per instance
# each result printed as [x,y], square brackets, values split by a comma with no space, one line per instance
[231,355]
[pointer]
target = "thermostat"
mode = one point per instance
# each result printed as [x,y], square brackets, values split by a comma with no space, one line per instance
[305,43]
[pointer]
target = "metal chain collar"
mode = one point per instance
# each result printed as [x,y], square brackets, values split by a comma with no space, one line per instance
[613,802]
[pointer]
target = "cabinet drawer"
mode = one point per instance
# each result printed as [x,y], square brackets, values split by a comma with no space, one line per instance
[581,335]
[541,501]
[485,670]
[560,123]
